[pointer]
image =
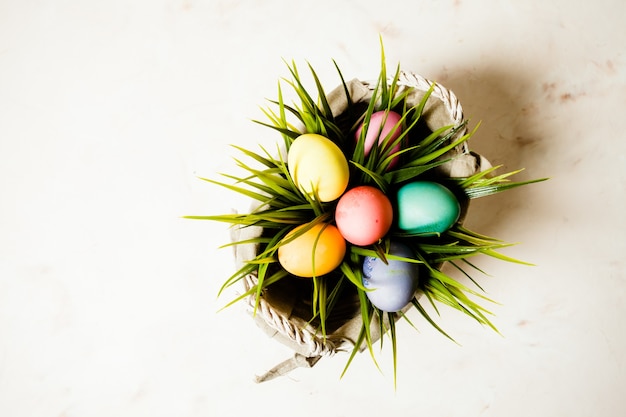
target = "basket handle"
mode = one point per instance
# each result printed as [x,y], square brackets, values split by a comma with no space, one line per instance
[283,368]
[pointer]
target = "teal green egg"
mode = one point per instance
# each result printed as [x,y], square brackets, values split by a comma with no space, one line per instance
[426,207]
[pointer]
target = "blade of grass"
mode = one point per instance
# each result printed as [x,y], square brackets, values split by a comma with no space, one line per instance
[425,314]
[394,347]
[378,179]
[328,114]
[483,191]
[366,309]
[357,344]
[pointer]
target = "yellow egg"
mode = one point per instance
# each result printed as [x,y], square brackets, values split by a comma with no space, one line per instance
[318,166]
[315,252]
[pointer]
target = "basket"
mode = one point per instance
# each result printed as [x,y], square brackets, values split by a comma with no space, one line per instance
[283,310]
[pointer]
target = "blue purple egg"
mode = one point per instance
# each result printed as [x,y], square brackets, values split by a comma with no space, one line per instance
[392,284]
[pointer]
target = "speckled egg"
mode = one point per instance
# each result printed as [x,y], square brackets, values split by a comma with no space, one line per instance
[426,207]
[314,252]
[363,215]
[392,284]
[383,125]
[318,166]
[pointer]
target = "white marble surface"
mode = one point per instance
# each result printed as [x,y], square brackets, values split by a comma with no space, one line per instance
[109,110]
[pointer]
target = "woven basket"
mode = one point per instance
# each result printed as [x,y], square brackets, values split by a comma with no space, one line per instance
[284,308]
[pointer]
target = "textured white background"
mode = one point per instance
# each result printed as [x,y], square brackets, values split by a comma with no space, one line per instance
[110,110]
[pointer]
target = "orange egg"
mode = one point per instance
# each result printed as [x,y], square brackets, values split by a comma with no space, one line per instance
[315,252]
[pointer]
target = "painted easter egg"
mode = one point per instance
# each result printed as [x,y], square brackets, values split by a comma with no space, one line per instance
[363,215]
[318,167]
[426,207]
[384,126]
[392,284]
[314,252]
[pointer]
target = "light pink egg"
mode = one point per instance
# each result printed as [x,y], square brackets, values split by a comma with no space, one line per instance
[382,124]
[363,215]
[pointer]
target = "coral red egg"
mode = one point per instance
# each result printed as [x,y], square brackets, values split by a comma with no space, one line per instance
[363,215]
